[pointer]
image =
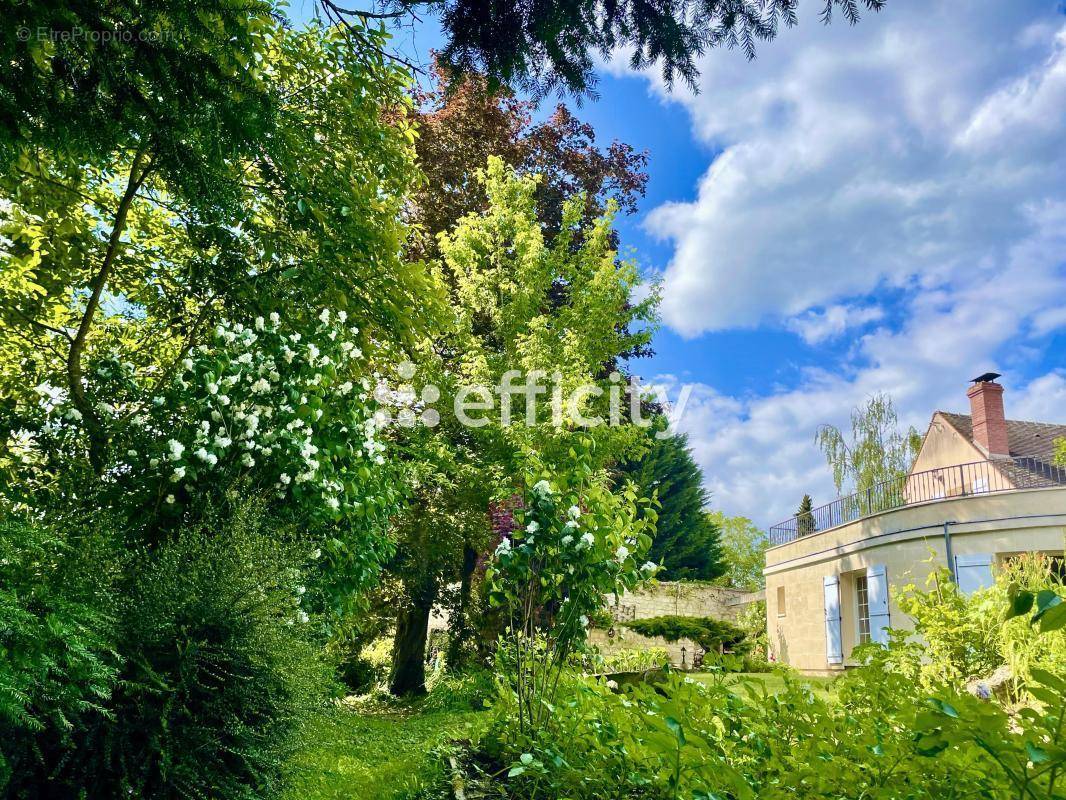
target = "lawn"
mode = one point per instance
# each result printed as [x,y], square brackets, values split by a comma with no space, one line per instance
[379,753]
[774,683]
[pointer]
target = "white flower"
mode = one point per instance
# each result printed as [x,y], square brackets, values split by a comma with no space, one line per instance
[153,462]
[333,503]
[301,589]
[532,527]
[187,363]
[324,316]
[131,453]
[259,323]
[571,524]
[379,460]
[542,487]
[212,388]
[342,315]
[247,460]
[573,512]
[170,499]
[317,554]
[584,621]
[244,358]
[312,353]
[284,478]
[302,616]
[223,441]
[223,399]
[612,685]
[260,386]
[345,387]
[74,414]
[176,449]
[503,548]
[178,474]
[202,454]
[567,539]
[274,318]
[587,539]
[621,553]
[649,566]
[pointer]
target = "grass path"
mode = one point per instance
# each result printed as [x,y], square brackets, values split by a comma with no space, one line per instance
[375,754]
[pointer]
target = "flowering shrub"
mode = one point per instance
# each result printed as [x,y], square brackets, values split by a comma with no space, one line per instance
[574,543]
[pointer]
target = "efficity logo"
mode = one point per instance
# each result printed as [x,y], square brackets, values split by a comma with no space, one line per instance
[529,398]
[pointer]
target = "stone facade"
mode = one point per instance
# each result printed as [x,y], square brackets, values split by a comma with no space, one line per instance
[679,598]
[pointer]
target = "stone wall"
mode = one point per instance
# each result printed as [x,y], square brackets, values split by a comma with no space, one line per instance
[678,598]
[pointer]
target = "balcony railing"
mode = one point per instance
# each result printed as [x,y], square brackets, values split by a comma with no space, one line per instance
[960,480]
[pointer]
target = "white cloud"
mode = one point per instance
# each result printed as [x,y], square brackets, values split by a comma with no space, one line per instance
[819,326]
[911,165]
[903,151]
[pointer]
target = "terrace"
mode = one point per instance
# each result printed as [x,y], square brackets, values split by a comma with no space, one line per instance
[960,480]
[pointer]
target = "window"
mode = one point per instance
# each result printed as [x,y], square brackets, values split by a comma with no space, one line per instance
[980,485]
[780,601]
[862,595]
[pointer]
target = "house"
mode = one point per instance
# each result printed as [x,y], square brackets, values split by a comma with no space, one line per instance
[982,489]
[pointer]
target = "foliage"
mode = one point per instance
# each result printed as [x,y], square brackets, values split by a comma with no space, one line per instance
[709,633]
[472,689]
[686,542]
[752,620]
[966,637]
[876,737]
[876,452]
[463,122]
[119,254]
[544,46]
[221,668]
[743,551]
[634,660]
[1060,452]
[576,543]
[58,664]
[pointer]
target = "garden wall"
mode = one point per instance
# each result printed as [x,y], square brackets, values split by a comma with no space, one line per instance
[679,598]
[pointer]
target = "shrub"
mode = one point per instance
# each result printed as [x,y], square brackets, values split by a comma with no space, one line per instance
[58,665]
[634,660]
[221,669]
[709,633]
[473,689]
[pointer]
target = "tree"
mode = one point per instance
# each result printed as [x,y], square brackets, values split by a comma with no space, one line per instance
[546,46]
[506,277]
[1060,452]
[743,551]
[805,522]
[686,541]
[877,450]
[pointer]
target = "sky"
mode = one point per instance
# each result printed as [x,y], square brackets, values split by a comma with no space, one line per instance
[877,208]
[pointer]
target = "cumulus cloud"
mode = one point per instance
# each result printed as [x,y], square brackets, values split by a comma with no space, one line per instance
[916,157]
[903,152]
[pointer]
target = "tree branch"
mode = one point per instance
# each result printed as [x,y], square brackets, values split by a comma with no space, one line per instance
[97,436]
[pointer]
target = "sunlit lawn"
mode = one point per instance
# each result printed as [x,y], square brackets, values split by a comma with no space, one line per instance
[378,755]
[772,682]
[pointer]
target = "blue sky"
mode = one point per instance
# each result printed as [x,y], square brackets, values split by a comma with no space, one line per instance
[861,209]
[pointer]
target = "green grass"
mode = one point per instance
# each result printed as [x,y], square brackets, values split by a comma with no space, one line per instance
[774,683]
[374,753]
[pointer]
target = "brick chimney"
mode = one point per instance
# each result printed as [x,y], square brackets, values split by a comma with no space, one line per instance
[986,412]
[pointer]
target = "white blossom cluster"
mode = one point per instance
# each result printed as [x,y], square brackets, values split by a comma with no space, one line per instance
[283,406]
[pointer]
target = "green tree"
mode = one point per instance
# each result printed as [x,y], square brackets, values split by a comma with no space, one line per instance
[1060,452]
[805,522]
[877,450]
[743,551]
[513,287]
[687,540]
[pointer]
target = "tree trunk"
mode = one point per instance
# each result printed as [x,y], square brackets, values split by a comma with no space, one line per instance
[409,646]
[461,629]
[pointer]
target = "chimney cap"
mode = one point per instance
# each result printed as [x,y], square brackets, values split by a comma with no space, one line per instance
[988,377]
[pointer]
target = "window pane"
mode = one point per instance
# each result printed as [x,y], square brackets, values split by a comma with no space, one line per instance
[863,598]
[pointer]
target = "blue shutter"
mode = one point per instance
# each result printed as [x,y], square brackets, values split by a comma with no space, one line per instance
[834,650]
[973,572]
[877,597]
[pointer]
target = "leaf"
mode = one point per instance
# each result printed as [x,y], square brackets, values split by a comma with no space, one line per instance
[1036,754]
[526,758]
[1021,602]
[515,771]
[678,731]
[1054,618]
[944,708]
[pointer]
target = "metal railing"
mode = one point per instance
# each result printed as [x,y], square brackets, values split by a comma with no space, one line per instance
[960,480]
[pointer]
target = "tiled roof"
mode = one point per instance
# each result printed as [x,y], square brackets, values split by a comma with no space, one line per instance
[1025,439]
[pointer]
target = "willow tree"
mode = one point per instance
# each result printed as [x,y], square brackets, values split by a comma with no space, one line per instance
[876,451]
